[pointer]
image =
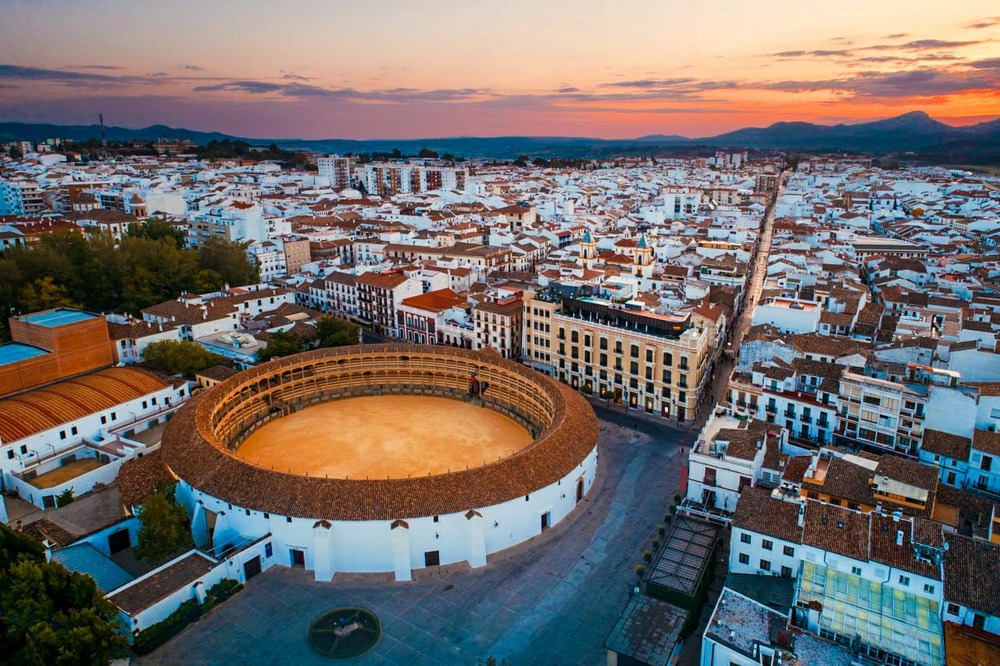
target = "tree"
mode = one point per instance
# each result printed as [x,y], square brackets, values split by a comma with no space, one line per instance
[51,615]
[157,229]
[228,259]
[15,152]
[521,161]
[44,294]
[333,332]
[164,526]
[426,153]
[65,497]
[281,343]
[180,357]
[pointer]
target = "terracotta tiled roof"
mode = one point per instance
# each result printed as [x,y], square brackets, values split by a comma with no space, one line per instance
[147,591]
[35,411]
[758,512]
[970,578]
[884,548]
[945,444]
[138,477]
[837,530]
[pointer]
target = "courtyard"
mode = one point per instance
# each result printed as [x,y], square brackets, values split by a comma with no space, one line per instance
[551,600]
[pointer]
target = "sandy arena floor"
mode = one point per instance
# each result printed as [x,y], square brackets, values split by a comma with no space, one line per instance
[384,436]
[65,473]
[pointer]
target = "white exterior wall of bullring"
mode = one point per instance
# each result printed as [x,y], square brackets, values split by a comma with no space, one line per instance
[374,546]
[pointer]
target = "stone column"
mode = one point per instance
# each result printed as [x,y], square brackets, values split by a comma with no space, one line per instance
[477,539]
[323,550]
[401,549]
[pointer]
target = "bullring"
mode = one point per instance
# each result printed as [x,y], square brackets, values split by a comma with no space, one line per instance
[333,524]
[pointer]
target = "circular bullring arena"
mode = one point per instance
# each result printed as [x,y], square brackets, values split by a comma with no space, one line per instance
[381,458]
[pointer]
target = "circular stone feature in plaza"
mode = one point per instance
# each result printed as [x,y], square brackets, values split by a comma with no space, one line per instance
[394,436]
[344,633]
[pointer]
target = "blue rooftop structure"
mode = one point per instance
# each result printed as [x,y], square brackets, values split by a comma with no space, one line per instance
[84,558]
[15,352]
[57,317]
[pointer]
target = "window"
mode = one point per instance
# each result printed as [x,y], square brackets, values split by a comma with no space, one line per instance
[953,609]
[788,551]
[104,419]
[10,454]
[268,550]
[73,430]
[856,571]
[288,519]
[635,351]
[745,538]
[978,621]
[786,572]
[437,519]
[765,565]
[986,463]
[904,580]
[928,588]
[744,558]
[62,434]
[668,359]
[767,544]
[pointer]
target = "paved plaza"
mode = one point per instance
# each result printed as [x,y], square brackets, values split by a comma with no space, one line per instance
[552,600]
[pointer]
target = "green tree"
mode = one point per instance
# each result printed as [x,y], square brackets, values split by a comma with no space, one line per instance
[334,332]
[43,294]
[229,259]
[281,343]
[180,357]
[426,153]
[164,526]
[49,615]
[15,152]
[158,229]
[65,497]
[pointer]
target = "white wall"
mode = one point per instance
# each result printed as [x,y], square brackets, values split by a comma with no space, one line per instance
[367,546]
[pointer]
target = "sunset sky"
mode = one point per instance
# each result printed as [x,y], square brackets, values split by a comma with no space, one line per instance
[433,68]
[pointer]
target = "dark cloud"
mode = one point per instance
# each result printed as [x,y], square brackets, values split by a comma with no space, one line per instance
[114,68]
[894,85]
[291,76]
[567,89]
[898,35]
[648,83]
[989,63]
[818,53]
[193,68]
[983,23]
[920,45]
[56,75]
[298,90]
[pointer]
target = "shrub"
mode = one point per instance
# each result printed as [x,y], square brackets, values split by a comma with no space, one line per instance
[677,499]
[153,637]
[64,498]
[639,570]
[656,544]
[646,555]
[661,529]
[219,592]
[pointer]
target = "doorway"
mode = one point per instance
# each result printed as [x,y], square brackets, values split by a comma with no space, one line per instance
[546,520]
[432,558]
[298,557]
[579,489]
[118,541]
[251,567]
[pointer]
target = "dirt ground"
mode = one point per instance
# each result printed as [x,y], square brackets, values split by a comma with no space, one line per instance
[385,436]
[65,473]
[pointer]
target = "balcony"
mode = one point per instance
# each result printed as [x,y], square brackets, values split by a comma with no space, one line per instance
[771,409]
[806,418]
[789,413]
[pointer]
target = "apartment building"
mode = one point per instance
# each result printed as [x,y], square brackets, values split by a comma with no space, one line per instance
[388,180]
[342,294]
[336,169]
[21,197]
[643,359]
[879,414]
[499,324]
[379,294]
[419,318]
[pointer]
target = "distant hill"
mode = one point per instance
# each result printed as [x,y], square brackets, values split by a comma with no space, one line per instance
[39,132]
[914,134]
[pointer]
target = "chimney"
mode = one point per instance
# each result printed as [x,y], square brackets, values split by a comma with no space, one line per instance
[802,514]
[899,537]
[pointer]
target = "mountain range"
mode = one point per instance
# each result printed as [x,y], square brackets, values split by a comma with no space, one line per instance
[914,134]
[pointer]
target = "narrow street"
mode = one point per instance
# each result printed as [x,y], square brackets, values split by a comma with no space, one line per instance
[738,328]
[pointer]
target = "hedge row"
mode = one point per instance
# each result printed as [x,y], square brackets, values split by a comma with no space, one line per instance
[156,635]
